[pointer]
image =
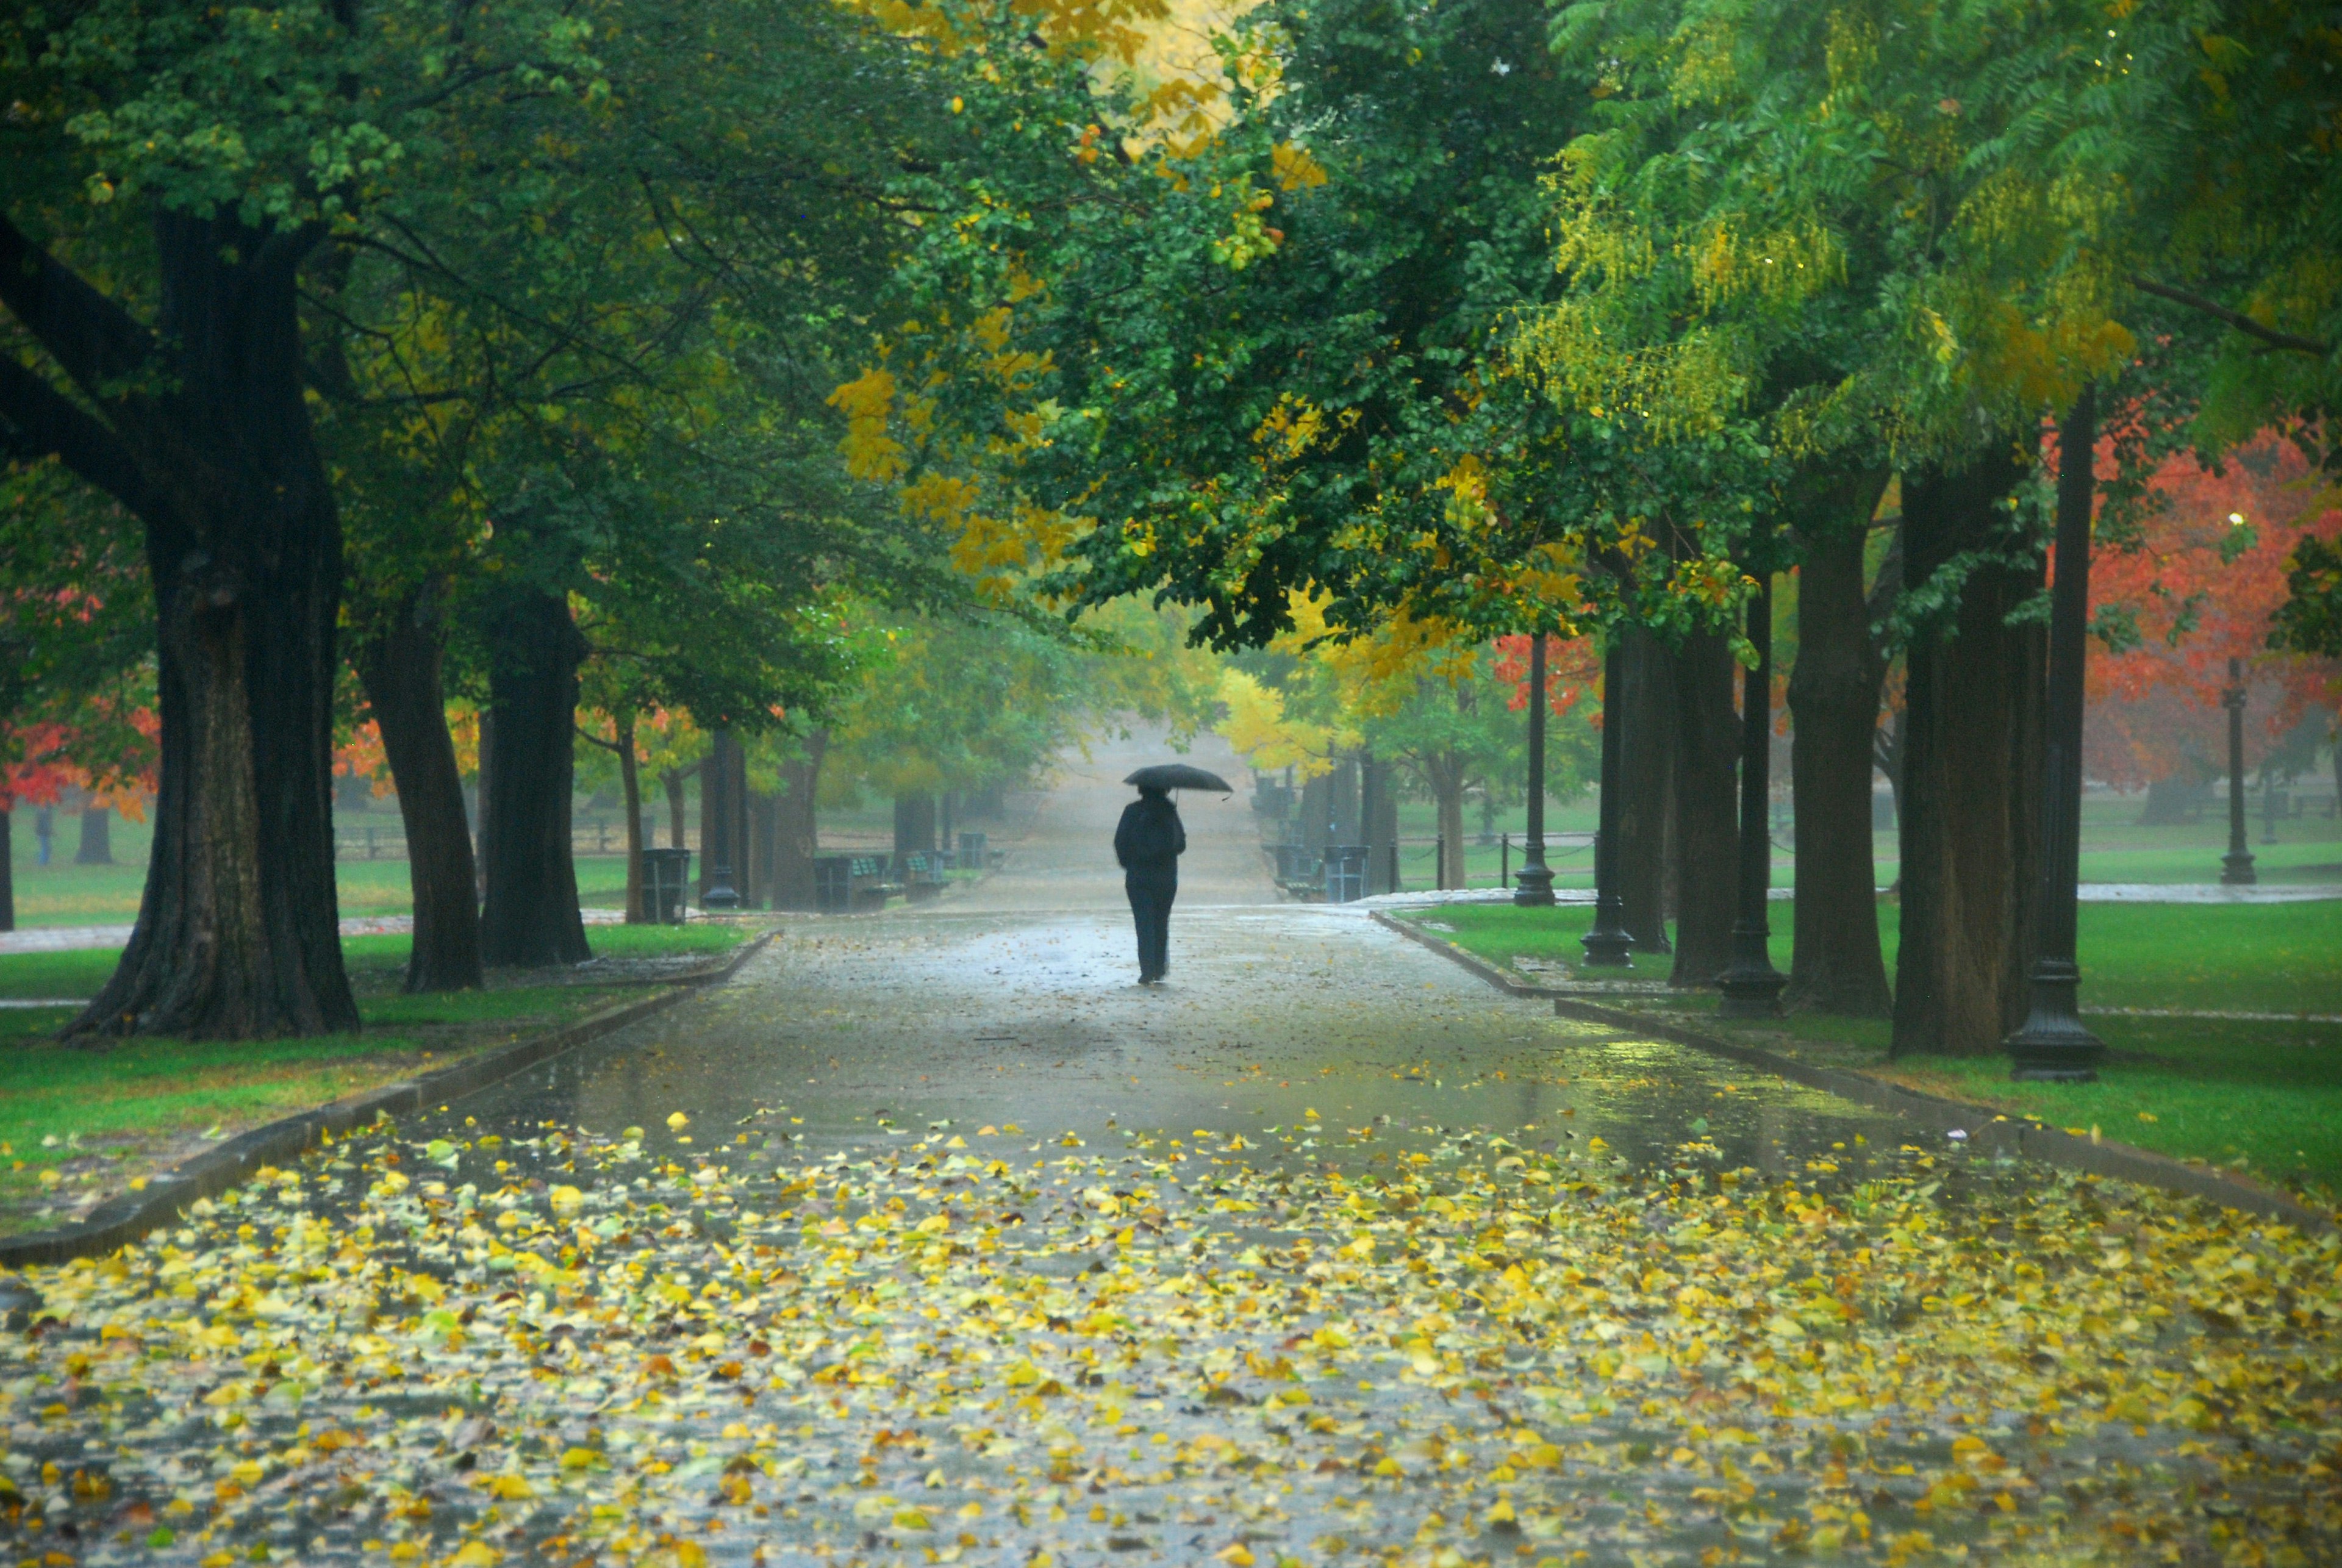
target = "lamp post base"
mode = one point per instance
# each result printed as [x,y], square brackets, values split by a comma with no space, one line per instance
[2236,870]
[1535,889]
[2053,1045]
[721,895]
[1752,987]
[1609,945]
[1750,993]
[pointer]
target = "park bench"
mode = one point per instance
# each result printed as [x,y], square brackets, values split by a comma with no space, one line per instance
[1298,871]
[851,884]
[923,875]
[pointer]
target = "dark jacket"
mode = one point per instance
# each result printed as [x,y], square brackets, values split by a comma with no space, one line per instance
[1150,837]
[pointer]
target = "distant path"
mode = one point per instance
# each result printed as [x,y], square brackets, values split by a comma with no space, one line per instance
[1064,861]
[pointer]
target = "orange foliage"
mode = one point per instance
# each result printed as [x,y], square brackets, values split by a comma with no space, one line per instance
[1572,669]
[2202,591]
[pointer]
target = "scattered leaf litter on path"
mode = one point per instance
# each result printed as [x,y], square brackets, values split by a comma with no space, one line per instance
[621,1349]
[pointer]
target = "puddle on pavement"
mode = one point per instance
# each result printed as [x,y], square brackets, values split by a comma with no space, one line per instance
[1318,1037]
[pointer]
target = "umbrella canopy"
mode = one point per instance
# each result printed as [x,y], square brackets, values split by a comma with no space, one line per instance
[1178,776]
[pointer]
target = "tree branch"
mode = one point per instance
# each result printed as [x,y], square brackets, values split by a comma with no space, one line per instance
[94,339]
[2268,334]
[39,421]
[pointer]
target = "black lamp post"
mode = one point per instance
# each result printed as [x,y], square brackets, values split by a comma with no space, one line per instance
[1609,945]
[2051,1044]
[718,812]
[1535,889]
[1752,986]
[2237,865]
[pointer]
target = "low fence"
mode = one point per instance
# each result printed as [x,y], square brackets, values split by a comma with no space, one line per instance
[1416,863]
[387,841]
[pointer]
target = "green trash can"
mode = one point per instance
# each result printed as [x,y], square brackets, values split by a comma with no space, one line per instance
[666,884]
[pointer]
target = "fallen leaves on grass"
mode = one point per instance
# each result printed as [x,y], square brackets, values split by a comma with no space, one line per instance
[452,1352]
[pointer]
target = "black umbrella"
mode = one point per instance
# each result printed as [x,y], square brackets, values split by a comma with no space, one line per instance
[1178,776]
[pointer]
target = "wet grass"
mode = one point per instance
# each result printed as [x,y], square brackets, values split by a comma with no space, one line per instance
[63,894]
[96,1119]
[2261,1093]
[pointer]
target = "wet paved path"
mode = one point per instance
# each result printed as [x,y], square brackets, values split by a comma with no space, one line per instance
[934,1239]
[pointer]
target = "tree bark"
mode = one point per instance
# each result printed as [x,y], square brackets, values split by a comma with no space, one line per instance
[1647,741]
[1706,820]
[96,835]
[1833,690]
[7,866]
[915,823]
[672,781]
[400,669]
[481,786]
[201,432]
[798,832]
[1970,806]
[630,782]
[530,916]
[1446,773]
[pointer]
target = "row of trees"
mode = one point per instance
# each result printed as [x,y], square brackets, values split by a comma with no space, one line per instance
[367,353]
[1489,318]
[481,349]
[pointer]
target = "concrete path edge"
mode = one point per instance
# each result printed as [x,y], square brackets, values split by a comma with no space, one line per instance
[1987,1130]
[120,1221]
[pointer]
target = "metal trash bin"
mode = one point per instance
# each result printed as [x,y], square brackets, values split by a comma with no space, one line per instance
[975,853]
[1346,872]
[666,883]
[833,883]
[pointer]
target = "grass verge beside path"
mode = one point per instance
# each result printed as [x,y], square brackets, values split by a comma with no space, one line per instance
[2258,1095]
[77,1124]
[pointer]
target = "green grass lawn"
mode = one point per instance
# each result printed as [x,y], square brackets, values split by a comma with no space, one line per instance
[63,894]
[2265,1094]
[96,1119]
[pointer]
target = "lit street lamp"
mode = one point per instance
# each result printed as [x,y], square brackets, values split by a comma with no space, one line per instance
[1535,889]
[2237,865]
[2051,1044]
[1609,945]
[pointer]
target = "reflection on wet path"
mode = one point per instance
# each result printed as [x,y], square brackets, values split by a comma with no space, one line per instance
[934,1239]
[1316,1034]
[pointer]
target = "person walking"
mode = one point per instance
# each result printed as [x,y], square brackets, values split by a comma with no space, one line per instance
[1148,843]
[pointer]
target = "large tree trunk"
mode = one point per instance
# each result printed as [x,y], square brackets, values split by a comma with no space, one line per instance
[915,823]
[1970,806]
[1645,702]
[480,789]
[630,782]
[96,835]
[671,780]
[8,865]
[1446,774]
[798,834]
[1706,808]
[400,669]
[210,444]
[1836,966]
[534,650]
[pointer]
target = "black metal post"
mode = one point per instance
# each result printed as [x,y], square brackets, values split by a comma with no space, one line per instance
[1608,945]
[2051,1044]
[1536,877]
[2237,865]
[718,826]
[1752,986]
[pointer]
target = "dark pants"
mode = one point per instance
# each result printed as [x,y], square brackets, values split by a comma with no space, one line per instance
[1151,891]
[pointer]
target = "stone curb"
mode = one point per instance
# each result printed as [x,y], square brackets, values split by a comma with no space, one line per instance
[1987,1130]
[120,1221]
